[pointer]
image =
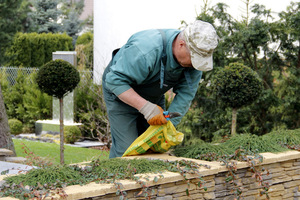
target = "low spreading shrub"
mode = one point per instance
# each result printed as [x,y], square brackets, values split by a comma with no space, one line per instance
[71,134]
[16,126]
[284,137]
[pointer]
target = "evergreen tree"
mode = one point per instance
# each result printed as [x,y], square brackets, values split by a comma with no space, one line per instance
[287,33]
[72,25]
[57,16]
[45,16]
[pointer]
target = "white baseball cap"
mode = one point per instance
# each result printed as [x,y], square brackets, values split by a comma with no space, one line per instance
[202,39]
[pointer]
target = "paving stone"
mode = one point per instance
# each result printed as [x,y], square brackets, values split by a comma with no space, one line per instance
[15,159]
[5,152]
[13,168]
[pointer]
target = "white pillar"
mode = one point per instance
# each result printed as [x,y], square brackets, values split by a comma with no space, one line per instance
[69,56]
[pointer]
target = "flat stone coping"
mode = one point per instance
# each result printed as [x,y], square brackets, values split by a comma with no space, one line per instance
[56,122]
[94,189]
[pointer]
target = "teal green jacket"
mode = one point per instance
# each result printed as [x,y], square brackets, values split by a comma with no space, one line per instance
[138,62]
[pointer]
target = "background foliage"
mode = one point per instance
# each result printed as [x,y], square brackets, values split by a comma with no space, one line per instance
[39,16]
[263,41]
[24,101]
[13,19]
[85,51]
[271,48]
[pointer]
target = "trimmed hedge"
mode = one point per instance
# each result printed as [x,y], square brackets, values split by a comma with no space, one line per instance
[34,50]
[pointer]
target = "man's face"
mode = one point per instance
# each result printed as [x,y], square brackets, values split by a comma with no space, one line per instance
[184,57]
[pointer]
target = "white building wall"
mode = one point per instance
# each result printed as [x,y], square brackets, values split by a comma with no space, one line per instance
[116,20]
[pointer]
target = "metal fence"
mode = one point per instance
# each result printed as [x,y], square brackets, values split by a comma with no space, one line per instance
[11,73]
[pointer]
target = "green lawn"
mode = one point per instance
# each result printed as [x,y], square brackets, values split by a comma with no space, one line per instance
[51,151]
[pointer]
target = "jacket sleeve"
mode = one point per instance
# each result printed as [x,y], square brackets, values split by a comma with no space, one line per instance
[184,95]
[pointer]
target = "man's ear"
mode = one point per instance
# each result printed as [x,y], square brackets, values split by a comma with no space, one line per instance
[182,43]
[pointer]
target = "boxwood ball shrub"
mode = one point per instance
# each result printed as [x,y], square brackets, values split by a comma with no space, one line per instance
[72,134]
[15,126]
[57,78]
[237,85]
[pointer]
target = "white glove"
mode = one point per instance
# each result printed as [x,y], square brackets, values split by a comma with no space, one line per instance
[153,114]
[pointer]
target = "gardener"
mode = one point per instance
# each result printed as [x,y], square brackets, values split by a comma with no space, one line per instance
[148,65]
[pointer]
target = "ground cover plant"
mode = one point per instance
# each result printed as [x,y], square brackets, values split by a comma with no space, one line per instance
[275,141]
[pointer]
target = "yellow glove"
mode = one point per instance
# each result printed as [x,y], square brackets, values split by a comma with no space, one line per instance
[153,114]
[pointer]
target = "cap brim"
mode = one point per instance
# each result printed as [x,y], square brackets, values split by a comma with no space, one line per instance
[201,63]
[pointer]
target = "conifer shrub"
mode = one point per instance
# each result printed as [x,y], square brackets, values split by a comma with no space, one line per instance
[284,137]
[203,151]
[275,141]
[253,143]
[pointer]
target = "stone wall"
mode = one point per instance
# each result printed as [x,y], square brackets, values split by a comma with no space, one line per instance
[282,174]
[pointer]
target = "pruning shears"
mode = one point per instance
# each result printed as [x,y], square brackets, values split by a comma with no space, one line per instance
[169,115]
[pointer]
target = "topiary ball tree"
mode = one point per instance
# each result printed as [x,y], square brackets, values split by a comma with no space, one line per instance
[58,78]
[237,85]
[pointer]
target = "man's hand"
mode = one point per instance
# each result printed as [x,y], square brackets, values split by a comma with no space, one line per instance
[153,114]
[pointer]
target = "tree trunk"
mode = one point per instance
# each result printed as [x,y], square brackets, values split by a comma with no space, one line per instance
[5,137]
[61,121]
[233,124]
